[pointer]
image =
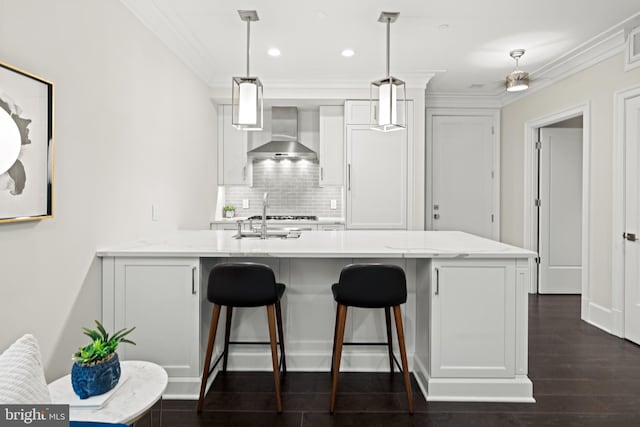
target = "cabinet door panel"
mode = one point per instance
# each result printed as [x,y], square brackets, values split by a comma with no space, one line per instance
[359,112]
[376,179]
[331,145]
[161,301]
[473,314]
[233,168]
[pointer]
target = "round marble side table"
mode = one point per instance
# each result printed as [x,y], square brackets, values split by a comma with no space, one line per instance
[143,386]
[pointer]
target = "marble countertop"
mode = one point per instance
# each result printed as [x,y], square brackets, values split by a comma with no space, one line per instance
[328,244]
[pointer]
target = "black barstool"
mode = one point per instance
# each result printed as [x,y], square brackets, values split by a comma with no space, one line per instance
[370,286]
[244,284]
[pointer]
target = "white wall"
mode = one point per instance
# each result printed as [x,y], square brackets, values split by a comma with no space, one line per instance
[597,86]
[133,126]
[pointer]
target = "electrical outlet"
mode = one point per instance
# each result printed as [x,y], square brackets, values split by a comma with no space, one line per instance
[245,203]
[154,212]
[334,204]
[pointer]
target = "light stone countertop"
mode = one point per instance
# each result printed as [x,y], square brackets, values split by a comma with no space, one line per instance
[321,220]
[328,244]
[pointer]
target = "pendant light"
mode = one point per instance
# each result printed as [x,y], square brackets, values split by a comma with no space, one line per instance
[518,80]
[246,92]
[388,95]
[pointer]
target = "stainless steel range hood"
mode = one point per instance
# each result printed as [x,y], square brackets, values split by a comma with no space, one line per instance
[284,134]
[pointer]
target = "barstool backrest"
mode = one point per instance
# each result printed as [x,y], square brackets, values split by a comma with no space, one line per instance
[242,284]
[371,286]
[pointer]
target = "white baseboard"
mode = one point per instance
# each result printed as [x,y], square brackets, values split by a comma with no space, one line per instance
[600,317]
[512,390]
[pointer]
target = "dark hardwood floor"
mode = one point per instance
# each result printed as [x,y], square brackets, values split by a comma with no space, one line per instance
[581,377]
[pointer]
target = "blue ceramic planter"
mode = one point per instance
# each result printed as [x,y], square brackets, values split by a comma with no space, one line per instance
[93,380]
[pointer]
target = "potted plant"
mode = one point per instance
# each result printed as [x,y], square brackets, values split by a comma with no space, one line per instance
[96,368]
[229,211]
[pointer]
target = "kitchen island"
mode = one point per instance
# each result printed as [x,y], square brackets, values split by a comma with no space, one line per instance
[465,318]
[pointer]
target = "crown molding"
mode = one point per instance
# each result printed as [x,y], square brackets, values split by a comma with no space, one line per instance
[461,100]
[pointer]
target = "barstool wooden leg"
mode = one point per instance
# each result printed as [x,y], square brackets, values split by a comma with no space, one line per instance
[387,317]
[281,337]
[274,354]
[403,355]
[342,319]
[335,334]
[227,334]
[207,359]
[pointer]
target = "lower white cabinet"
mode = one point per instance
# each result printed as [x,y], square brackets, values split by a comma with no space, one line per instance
[161,297]
[473,319]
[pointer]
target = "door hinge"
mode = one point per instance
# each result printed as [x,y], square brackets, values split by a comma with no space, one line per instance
[538,145]
[537,203]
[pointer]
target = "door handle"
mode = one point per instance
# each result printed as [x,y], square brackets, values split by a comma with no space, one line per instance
[321,174]
[436,216]
[437,281]
[193,280]
[630,236]
[244,173]
[349,177]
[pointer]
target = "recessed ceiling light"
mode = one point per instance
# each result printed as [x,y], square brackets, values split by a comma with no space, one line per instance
[273,52]
[348,53]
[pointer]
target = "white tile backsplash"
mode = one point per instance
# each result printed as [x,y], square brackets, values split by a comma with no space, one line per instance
[293,190]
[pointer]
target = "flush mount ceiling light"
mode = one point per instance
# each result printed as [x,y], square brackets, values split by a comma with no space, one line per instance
[274,52]
[518,80]
[388,95]
[246,92]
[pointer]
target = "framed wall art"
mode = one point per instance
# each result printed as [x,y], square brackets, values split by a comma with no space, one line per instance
[26,146]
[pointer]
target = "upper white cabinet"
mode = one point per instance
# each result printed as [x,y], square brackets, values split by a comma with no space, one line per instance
[360,112]
[376,173]
[233,165]
[331,152]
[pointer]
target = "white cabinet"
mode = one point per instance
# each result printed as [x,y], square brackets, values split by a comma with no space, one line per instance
[161,298]
[330,227]
[226,226]
[377,175]
[359,112]
[473,319]
[331,152]
[233,166]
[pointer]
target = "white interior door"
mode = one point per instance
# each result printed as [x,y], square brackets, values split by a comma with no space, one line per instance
[560,232]
[632,221]
[463,175]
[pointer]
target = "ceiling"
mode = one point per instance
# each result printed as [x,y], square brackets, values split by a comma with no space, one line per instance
[461,43]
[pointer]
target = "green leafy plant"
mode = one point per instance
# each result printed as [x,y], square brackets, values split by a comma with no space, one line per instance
[102,345]
[229,208]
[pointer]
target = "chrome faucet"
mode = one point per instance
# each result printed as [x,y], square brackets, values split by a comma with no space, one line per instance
[265,203]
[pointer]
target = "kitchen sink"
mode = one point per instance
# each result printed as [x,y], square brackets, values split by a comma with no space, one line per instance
[282,233]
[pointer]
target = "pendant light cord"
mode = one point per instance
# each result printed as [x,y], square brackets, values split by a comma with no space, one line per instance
[388,45]
[248,40]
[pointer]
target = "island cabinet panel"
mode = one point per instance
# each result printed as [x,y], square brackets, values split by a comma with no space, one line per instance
[473,319]
[161,298]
